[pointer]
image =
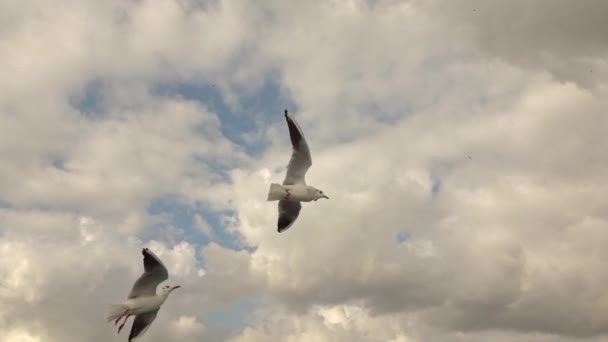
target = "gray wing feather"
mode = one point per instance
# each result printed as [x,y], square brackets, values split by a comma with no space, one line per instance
[288,213]
[154,273]
[141,324]
[300,160]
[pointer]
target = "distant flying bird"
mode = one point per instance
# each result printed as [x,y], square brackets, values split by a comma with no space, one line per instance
[294,189]
[143,302]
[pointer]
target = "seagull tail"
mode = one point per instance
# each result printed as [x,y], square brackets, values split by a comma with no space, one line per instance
[116,311]
[276,192]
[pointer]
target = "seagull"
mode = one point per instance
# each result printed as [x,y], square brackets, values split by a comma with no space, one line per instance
[143,302]
[294,189]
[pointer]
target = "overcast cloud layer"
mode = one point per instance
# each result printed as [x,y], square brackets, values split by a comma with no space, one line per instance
[463,146]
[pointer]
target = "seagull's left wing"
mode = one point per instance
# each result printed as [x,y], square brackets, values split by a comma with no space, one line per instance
[154,273]
[300,160]
[288,213]
[141,324]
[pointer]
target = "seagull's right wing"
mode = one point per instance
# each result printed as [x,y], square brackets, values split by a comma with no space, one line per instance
[288,213]
[141,324]
[154,273]
[300,160]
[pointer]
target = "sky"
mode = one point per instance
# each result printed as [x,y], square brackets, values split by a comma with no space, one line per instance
[462,145]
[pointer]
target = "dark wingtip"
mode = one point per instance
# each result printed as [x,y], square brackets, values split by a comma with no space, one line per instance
[294,133]
[283,224]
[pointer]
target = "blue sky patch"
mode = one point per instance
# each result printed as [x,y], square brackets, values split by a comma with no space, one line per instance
[402,236]
[436,188]
[256,110]
[90,102]
[182,215]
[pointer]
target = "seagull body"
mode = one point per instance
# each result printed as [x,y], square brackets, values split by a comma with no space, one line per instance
[143,302]
[296,192]
[294,188]
[141,305]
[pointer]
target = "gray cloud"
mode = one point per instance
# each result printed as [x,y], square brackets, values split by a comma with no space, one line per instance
[562,38]
[519,173]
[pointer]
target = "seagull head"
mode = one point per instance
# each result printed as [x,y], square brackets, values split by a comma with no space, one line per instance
[167,289]
[320,194]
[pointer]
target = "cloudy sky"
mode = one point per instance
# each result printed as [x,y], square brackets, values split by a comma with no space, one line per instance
[462,143]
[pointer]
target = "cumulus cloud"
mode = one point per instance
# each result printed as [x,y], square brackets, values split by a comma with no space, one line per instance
[558,37]
[461,145]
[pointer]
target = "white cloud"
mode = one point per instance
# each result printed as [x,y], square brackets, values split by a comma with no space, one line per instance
[187,327]
[518,157]
[20,336]
[504,228]
[393,97]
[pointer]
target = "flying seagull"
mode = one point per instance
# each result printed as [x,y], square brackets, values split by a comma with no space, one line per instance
[143,302]
[294,189]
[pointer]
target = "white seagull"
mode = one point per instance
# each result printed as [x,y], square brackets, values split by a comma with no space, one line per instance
[143,302]
[294,189]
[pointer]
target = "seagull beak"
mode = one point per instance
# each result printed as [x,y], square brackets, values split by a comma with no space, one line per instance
[175,287]
[325,197]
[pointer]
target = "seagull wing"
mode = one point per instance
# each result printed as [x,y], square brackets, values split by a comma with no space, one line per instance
[141,324]
[288,213]
[300,160]
[154,273]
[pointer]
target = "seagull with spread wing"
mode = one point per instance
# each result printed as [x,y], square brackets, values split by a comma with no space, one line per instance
[143,302]
[294,189]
